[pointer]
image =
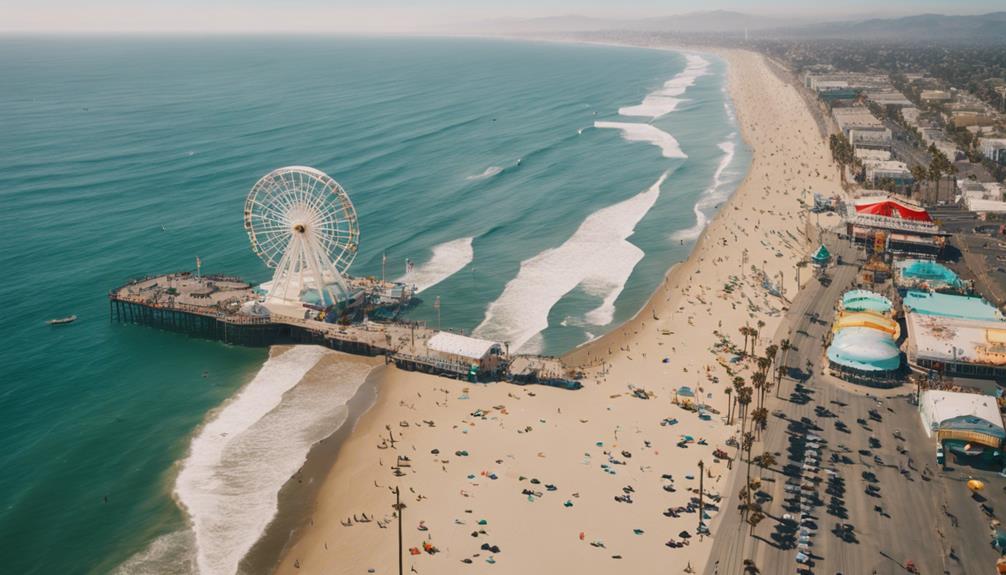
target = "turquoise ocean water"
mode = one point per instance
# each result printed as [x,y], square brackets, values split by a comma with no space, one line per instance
[477,159]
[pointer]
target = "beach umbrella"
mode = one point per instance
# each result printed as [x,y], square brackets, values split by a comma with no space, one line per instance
[684,535]
[976,485]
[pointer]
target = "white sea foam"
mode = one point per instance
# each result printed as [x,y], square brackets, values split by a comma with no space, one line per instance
[487,173]
[448,259]
[170,554]
[250,448]
[666,99]
[716,193]
[648,133]
[597,256]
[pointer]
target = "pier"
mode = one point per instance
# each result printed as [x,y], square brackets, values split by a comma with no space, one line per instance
[231,310]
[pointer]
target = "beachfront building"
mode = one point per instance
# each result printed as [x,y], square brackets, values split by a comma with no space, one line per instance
[876,171]
[925,275]
[856,118]
[956,348]
[870,139]
[463,354]
[864,300]
[888,98]
[933,96]
[867,319]
[983,198]
[864,343]
[888,224]
[951,306]
[994,149]
[864,355]
[966,424]
[865,154]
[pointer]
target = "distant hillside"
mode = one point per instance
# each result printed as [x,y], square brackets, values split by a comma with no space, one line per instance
[710,22]
[928,27]
[984,28]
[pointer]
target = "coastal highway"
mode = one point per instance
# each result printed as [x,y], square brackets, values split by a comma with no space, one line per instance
[921,519]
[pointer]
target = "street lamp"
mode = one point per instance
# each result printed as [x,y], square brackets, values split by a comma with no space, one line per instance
[399,506]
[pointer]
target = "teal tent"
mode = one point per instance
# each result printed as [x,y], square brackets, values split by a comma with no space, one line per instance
[821,256]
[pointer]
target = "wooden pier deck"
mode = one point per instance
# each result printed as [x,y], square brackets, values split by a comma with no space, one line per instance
[228,309]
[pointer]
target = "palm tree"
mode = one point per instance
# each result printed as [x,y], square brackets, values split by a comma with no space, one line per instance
[759,381]
[744,397]
[770,353]
[747,440]
[738,384]
[745,332]
[750,568]
[730,404]
[785,346]
[766,461]
[919,173]
[759,419]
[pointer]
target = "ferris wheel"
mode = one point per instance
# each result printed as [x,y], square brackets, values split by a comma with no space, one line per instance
[302,224]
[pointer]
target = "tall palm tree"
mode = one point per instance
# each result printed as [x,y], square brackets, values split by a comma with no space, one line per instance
[766,460]
[730,404]
[743,400]
[759,419]
[744,331]
[747,440]
[770,353]
[758,380]
[919,174]
[785,346]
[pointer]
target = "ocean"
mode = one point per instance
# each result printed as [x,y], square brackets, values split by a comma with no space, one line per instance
[542,191]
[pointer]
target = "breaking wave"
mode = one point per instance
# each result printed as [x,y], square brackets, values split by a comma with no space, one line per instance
[244,454]
[597,256]
[648,133]
[716,193]
[448,259]
[488,173]
[666,99]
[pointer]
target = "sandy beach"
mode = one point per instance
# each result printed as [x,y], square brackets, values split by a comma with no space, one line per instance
[534,479]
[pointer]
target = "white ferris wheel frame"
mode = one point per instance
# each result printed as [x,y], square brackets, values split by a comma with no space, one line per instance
[302,223]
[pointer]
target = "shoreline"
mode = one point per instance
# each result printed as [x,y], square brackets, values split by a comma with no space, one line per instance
[497,430]
[296,498]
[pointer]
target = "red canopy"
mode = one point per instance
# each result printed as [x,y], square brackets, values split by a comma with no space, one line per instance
[893,209]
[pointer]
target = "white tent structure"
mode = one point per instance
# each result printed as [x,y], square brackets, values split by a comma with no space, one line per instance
[462,346]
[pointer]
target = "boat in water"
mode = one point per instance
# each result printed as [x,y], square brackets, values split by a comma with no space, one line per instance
[62,320]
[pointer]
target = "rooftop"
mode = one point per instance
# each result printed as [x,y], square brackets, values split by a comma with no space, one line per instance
[461,345]
[948,409]
[953,306]
[946,339]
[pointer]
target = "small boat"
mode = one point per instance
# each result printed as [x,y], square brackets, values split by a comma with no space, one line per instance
[62,320]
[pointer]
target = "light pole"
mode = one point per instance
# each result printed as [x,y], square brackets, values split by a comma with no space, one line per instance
[398,507]
[702,473]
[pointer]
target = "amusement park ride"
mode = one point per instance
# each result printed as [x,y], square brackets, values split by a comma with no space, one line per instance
[302,224]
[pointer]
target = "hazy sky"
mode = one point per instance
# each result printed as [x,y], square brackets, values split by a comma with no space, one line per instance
[402,15]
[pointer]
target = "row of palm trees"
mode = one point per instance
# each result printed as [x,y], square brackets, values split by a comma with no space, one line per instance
[740,398]
[842,152]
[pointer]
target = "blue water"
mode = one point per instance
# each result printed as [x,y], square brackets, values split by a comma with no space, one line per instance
[121,157]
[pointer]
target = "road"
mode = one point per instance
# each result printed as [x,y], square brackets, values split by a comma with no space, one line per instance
[913,525]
